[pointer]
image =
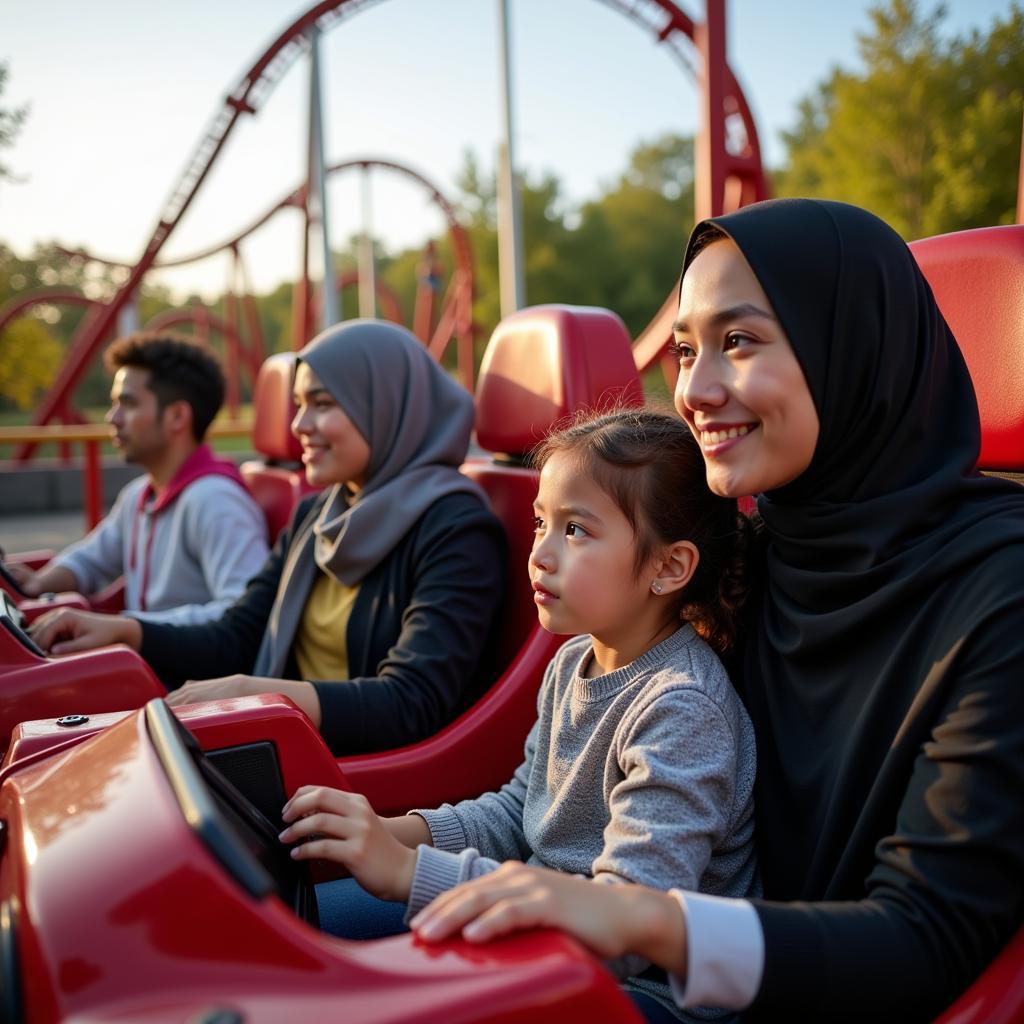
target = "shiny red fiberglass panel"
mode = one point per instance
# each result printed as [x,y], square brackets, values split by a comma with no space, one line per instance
[31,686]
[32,607]
[302,754]
[544,363]
[121,913]
[977,278]
[997,997]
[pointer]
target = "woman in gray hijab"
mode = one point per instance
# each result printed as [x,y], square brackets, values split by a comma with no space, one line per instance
[374,610]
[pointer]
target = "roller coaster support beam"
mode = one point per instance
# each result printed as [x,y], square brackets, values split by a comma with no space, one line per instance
[510,222]
[367,267]
[711,171]
[316,199]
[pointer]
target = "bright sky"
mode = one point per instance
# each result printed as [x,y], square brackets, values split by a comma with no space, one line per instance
[121,92]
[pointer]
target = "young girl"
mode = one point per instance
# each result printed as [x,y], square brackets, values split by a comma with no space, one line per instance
[640,767]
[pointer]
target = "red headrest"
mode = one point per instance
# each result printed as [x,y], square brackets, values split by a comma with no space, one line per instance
[978,281]
[545,363]
[274,409]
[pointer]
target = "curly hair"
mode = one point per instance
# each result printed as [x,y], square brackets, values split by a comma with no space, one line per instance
[180,369]
[650,465]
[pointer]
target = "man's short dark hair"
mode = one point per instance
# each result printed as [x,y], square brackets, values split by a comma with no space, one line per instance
[180,369]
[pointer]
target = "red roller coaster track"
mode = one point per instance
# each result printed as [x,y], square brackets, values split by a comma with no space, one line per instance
[455,319]
[727,177]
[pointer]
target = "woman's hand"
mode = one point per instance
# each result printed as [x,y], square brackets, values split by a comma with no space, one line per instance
[611,920]
[346,830]
[195,691]
[67,630]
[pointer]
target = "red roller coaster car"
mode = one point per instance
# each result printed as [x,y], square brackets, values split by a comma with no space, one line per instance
[141,878]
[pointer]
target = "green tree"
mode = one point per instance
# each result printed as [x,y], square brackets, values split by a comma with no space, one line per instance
[45,328]
[31,358]
[11,120]
[630,240]
[927,135]
[621,250]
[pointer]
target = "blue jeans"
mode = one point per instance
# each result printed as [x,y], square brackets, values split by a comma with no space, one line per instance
[651,1010]
[348,911]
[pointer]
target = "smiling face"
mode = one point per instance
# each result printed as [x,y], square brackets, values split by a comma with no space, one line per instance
[582,563]
[333,450]
[136,417]
[740,387]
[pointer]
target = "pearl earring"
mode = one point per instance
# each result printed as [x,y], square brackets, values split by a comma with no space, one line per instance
[656,586]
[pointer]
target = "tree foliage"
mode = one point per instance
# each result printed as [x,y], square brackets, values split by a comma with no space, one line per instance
[11,120]
[24,377]
[927,135]
[31,358]
[621,249]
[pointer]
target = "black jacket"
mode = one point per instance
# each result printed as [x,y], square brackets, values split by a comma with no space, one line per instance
[418,637]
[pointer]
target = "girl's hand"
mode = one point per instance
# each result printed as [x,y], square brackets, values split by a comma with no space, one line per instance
[347,831]
[68,630]
[611,920]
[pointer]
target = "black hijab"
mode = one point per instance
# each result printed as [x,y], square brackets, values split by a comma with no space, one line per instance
[886,564]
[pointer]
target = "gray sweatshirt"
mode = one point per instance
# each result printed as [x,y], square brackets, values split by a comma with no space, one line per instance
[644,775]
[205,547]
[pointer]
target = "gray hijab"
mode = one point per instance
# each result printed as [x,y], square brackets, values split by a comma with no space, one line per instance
[417,422]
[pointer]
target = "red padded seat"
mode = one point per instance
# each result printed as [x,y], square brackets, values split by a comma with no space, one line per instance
[545,363]
[977,278]
[278,481]
[541,366]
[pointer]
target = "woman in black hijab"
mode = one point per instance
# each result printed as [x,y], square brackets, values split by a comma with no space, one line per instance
[884,655]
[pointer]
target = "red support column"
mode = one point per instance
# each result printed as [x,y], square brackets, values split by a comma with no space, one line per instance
[257,346]
[711,154]
[428,280]
[93,485]
[231,336]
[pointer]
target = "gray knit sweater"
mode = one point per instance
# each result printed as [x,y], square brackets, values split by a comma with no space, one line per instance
[642,775]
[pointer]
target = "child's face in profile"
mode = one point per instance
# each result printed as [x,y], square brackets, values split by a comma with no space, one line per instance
[581,565]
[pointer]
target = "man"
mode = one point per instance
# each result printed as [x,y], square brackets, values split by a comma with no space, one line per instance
[187,535]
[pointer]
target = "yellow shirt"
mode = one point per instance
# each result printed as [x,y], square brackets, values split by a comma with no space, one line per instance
[321,645]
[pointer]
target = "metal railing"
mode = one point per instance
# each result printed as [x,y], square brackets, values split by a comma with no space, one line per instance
[91,436]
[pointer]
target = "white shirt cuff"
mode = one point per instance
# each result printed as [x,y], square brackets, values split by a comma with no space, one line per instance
[724,952]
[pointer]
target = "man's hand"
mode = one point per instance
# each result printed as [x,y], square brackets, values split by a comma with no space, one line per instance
[68,630]
[346,830]
[51,577]
[26,578]
[612,920]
